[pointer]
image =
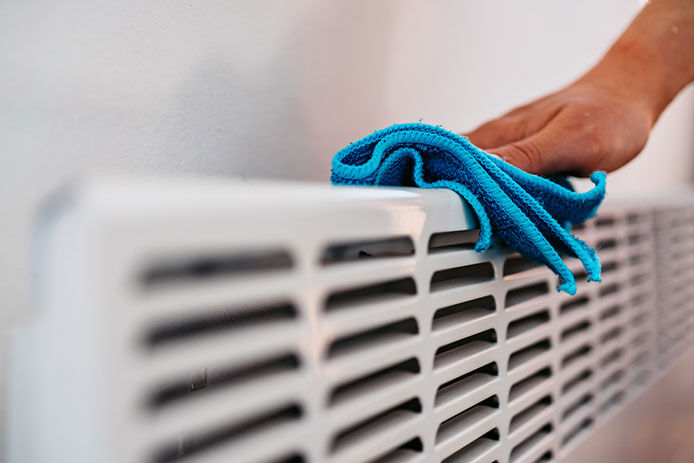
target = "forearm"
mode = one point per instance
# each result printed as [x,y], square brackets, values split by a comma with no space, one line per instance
[654,57]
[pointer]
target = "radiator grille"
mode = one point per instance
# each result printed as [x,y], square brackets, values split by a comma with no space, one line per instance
[294,323]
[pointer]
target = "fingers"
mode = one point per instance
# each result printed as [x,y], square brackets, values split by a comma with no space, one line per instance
[495,133]
[554,149]
[516,125]
[530,154]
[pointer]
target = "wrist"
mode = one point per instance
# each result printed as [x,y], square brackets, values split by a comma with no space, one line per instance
[634,71]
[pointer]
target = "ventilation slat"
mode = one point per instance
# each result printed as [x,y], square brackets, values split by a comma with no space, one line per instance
[526,354]
[401,246]
[527,414]
[405,452]
[231,320]
[609,267]
[636,239]
[604,222]
[453,241]
[200,268]
[611,357]
[475,449]
[376,424]
[189,445]
[606,244]
[545,457]
[610,312]
[612,379]
[577,430]
[527,323]
[377,381]
[464,312]
[572,383]
[525,294]
[462,385]
[518,264]
[573,304]
[576,354]
[574,330]
[530,442]
[609,289]
[575,406]
[210,379]
[614,400]
[525,385]
[610,334]
[462,276]
[370,294]
[374,338]
[467,418]
[464,348]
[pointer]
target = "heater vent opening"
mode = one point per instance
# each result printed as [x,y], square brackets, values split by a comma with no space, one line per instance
[529,383]
[575,355]
[475,449]
[612,402]
[518,264]
[575,330]
[582,402]
[527,414]
[386,291]
[610,312]
[527,354]
[404,452]
[464,348]
[577,430]
[583,377]
[232,320]
[376,381]
[454,241]
[462,385]
[200,268]
[464,312]
[525,294]
[210,379]
[463,420]
[376,424]
[573,304]
[531,442]
[186,446]
[374,338]
[461,276]
[401,246]
[527,323]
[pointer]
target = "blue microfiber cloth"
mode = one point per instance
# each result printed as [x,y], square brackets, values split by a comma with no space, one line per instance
[531,214]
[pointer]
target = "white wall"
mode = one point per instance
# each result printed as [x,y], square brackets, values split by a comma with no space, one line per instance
[272,88]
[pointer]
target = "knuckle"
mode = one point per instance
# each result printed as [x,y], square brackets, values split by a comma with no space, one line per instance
[592,145]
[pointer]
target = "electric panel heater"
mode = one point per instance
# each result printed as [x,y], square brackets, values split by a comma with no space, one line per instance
[206,321]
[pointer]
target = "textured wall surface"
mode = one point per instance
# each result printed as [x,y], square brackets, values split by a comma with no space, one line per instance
[272,89]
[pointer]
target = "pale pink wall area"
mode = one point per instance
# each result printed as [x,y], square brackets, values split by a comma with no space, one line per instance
[272,89]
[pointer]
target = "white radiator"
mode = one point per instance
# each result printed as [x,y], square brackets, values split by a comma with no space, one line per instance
[269,322]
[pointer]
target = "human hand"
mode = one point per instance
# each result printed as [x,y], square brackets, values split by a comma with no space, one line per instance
[602,121]
[597,123]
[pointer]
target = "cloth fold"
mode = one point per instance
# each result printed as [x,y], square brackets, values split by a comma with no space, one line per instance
[531,214]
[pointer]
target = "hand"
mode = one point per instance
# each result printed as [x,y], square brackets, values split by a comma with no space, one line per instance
[588,126]
[602,121]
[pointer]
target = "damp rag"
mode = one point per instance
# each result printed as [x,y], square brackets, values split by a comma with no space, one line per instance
[531,214]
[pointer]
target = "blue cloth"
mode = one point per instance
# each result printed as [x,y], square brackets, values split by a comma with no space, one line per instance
[531,214]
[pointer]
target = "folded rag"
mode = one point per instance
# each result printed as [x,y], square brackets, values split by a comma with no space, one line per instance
[531,214]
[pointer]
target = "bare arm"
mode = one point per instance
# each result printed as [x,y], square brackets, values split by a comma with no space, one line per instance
[602,121]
